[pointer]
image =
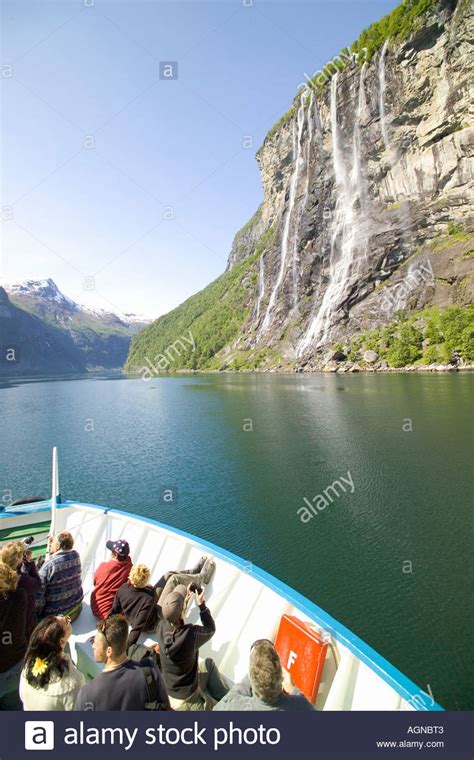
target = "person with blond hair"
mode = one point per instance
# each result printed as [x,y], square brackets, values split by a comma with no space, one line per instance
[15,625]
[61,581]
[17,556]
[50,680]
[136,599]
[141,602]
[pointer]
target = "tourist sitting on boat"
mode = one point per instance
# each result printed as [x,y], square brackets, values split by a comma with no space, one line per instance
[138,600]
[191,685]
[123,684]
[109,576]
[19,558]
[61,582]
[267,686]
[15,626]
[50,680]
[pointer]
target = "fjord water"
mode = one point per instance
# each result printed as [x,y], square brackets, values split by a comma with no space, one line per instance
[242,451]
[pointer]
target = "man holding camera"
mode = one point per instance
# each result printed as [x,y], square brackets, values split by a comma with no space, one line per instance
[141,602]
[191,685]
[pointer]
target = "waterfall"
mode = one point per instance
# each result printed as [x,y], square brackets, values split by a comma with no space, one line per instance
[318,125]
[382,89]
[297,151]
[261,284]
[357,177]
[303,202]
[310,140]
[347,236]
[293,137]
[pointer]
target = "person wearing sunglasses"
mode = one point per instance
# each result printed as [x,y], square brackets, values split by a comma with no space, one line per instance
[123,684]
[266,687]
[50,680]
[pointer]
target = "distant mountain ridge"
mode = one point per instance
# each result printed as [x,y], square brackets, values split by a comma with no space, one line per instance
[50,332]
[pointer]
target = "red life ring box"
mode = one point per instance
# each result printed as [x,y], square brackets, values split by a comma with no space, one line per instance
[302,652]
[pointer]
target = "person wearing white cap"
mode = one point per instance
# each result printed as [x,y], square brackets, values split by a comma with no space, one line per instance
[191,685]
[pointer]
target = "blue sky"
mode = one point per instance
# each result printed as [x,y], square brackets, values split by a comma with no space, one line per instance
[125,188]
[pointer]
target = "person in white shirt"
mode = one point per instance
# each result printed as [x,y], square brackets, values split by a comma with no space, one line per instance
[50,680]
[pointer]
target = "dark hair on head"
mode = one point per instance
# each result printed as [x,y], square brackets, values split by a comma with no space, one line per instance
[45,644]
[114,629]
[65,540]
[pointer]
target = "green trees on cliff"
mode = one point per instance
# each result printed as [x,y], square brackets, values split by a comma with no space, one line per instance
[214,317]
[427,337]
[397,25]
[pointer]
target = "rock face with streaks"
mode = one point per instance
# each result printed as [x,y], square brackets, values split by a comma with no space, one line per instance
[362,181]
[368,199]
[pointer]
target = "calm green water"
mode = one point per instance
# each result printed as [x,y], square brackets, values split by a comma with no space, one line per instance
[241,488]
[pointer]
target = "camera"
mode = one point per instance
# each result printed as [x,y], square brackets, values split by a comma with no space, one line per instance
[28,541]
[195,587]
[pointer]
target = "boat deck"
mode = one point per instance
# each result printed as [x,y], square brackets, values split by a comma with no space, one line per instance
[246,602]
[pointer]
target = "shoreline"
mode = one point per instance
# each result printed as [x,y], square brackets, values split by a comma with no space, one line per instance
[325,370]
[354,368]
[333,367]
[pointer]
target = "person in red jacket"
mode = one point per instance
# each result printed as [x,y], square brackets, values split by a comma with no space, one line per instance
[109,576]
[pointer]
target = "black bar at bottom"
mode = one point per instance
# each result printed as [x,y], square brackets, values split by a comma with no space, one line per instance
[333,735]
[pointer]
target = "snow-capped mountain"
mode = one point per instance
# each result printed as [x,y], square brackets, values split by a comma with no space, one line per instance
[96,338]
[47,290]
[127,318]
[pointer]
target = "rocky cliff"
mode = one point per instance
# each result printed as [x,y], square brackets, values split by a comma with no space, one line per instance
[367,212]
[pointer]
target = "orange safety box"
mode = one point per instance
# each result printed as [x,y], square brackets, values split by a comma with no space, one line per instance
[302,652]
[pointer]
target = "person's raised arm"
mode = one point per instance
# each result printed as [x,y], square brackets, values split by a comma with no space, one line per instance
[206,631]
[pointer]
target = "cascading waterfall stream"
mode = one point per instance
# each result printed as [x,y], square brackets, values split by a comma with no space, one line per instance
[297,149]
[318,125]
[357,177]
[261,284]
[382,90]
[346,234]
[304,202]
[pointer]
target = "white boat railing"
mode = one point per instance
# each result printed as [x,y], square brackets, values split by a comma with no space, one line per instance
[246,602]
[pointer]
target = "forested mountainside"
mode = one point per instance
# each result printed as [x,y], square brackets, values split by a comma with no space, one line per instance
[361,253]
